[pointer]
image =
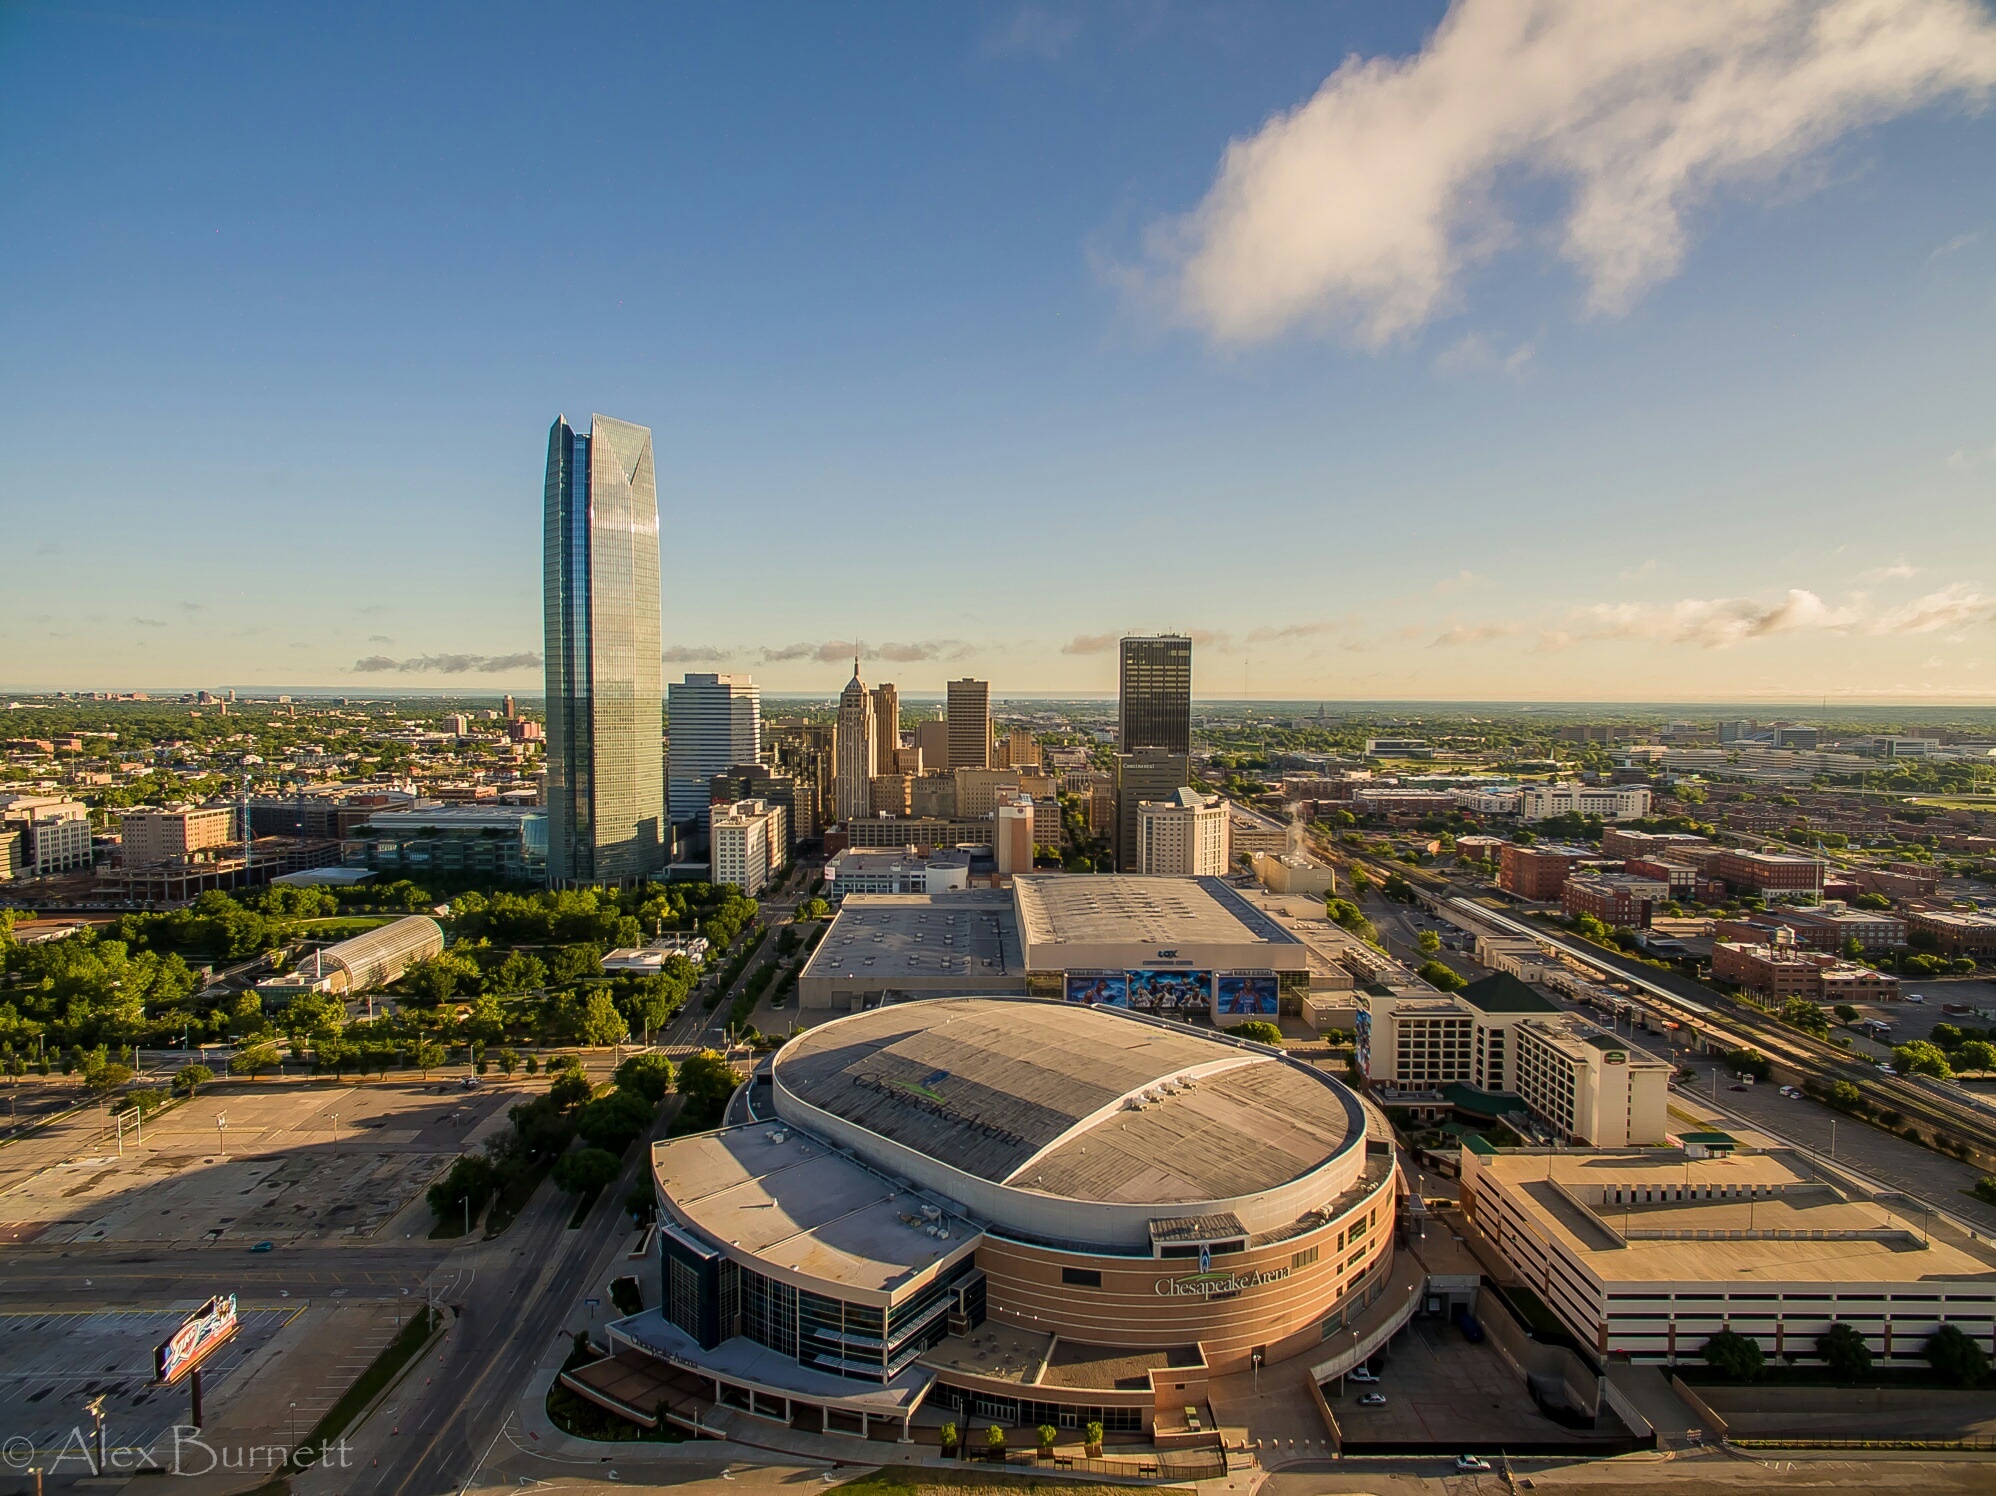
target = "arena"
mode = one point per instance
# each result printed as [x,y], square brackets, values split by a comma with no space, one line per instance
[1035,1212]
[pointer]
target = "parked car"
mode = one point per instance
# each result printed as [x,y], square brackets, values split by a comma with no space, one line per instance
[264,1246]
[1373,1400]
[1360,1374]
[1914,997]
[1469,1464]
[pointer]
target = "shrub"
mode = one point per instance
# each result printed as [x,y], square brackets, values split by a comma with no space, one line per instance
[1048,1433]
[949,1436]
[1955,1356]
[1441,977]
[470,1179]
[624,1293]
[1735,1355]
[1092,1434]
[1259,1030]
[1749,1062]
[1843,1350]
[1985,1189]
[994,1437]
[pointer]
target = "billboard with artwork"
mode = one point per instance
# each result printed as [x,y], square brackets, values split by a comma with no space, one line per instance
[201,1332]
[1105,989]
[1247,994]
[1166,991]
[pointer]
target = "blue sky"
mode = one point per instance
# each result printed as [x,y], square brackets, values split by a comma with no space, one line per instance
[961,331]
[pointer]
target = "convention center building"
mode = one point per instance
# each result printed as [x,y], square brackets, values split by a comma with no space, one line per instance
[1017,1211]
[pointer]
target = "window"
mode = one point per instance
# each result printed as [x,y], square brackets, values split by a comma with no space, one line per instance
[1081,1277]
[1303,1258]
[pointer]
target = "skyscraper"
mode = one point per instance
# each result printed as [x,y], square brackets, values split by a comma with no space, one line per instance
[886,726]
[1155,693]
[713,722]
[858,735]
[600,599]
[1151,774]
[969,714]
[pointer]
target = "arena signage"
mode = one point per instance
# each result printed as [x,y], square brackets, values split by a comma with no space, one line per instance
[201,1332]
[1205,1285]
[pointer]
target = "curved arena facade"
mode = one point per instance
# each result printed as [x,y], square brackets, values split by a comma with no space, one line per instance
[1024,1211]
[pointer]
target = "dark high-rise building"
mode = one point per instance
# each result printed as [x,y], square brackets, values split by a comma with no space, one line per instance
[600,600]
[1155,694]
[968,708]
[1150,774]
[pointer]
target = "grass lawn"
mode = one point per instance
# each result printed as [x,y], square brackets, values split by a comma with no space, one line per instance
[340,926]
[901,1481]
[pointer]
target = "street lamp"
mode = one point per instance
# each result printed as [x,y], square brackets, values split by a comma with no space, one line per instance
[221,1122]
[336,1133]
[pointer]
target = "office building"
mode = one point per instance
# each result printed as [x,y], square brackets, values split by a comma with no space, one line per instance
[1151,774]
[1955,932]
[874,832]
[1646,1254]
[897,870]
[508,843]
[1012,834]
[886,726]
[890,795]
[1018,749]
[1607,802]
[932,740]
[713,722]
[858,736]
[746,844]
[1588,1085]
[1769,872]
[152,834]
[933,795]
[1537,873]
[759,782]
[905,761]
[54,833]
[1184,836]
[1613,898]
[1154,694]
[1779,970]
[968,713]
[600,594]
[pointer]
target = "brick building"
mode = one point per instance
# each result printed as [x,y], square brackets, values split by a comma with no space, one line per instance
[1956,933]
[1779,972]
[1614,899]
[1770,872]
[1537,873]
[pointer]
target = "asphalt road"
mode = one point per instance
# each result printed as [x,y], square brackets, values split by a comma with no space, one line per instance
[80,1276]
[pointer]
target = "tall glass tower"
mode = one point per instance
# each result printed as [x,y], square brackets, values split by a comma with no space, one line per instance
[600,598]
[1155,693]
[716,725]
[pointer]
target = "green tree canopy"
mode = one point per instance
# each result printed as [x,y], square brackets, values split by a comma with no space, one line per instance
[648,1074]
[1735,1355]
[586,1169]
[1842,1349]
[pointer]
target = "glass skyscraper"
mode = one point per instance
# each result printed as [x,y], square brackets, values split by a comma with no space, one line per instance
[600,597]
[715,724]
[1155,692]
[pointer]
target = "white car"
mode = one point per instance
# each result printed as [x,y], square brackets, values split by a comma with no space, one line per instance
[1360,1374]
[1884,1069]
[1469,1464]
[1373,1400]
[1914,997]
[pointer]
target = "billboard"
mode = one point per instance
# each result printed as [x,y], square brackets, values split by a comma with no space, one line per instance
[1105,989]
[1247,994]
[201,1332]
[1166,990]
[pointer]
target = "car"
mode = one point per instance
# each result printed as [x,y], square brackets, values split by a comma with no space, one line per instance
[264,1246]
[1373,1400]
[1360,1374]
[1735,1088]
[1885,1069]
[470,1083]
[1914,997]
[1469,1464]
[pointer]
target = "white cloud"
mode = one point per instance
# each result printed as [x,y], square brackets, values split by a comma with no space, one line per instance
[1476,633]
[1474,353]
[1357,211]
[1711,623]
[447,664]
[1958,243]
[1898,571]
[1955,606]
[1457,582]
[1033,31]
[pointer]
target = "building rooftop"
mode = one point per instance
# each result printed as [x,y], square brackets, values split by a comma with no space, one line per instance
[1073,1101]
[1755,1218]
[892,936]
[783,1198]
[1503,993]
[1059,909]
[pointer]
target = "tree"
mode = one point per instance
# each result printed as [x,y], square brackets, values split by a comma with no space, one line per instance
[1361,882]
[707,1080]
[508,1060]
[1872,901]
[426,1055]
[252,1058]
[1428,941]
[648,1074]
[1921,1058]
[1800,1013]
[1845,1013]
[469,1181]
[1735,1355]
[102,1077]
[1047,1434]
[611,1122]
[994,1437]
[1846,1097]
[1843,1350]
[601,1022]
[191,1078]
[1975,1054]
[1441,977]
[1257,1029]
[1091,1435]
[812,909]
[1748,1062]
[571,1089]
[1956,1356]
[586,1169]
[143,1100]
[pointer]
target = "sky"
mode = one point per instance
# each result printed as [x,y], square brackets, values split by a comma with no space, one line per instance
[1503,350]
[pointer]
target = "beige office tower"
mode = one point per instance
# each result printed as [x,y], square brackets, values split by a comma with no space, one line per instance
[886,726]
[1151,774]
[1185,836]
[905,761]
[857,737]
[1019,749]
[890,794]
[1013,842]
[969,716]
